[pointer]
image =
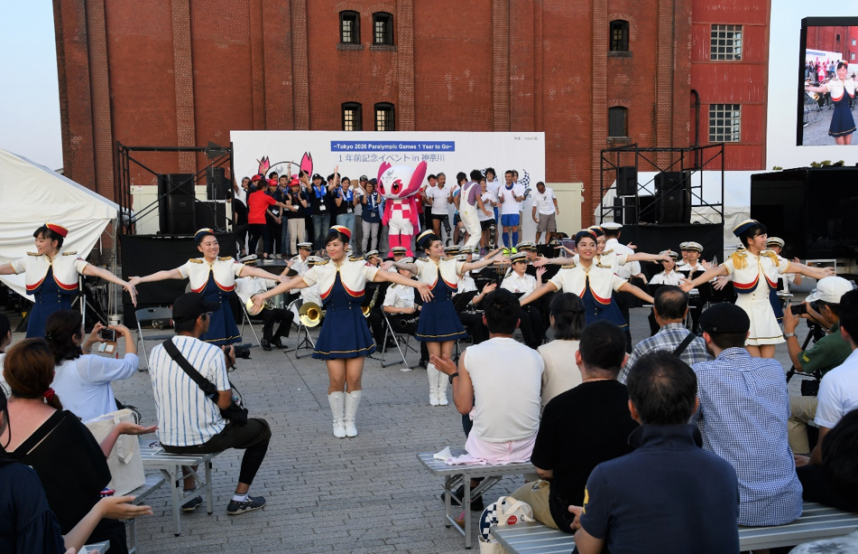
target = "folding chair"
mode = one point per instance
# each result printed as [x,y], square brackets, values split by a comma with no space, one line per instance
[246,319]
[391,332]
[161,318]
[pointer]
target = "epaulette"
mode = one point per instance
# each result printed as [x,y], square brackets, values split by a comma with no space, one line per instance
[770,254]
[568,266]
[606,252]
[322,263]
[33,254]
[422,259]
[448,258]
[225,258]
[69,253]
[603,266]
[196,260]
[740,259]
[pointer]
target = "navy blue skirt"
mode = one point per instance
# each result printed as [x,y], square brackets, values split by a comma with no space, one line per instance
[50,298]
[439,321]
[345,333]
[596,311]
[222,327]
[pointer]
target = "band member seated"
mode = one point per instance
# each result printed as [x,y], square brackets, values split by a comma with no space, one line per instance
[776,245]
[245,288]
[397,252]
[667,277]
[373,258]
[299,262]
[693,267]
[472,317]
[399,305]
[518,281]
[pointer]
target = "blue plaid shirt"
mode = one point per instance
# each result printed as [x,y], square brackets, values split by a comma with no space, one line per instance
[667,338]
[744,408]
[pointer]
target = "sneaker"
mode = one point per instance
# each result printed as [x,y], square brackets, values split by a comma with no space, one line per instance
[192,504]
[252,503]
[514,250]
[505,252]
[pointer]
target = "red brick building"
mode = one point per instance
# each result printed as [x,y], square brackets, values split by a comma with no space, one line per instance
[590,74]
[729,71]
[835,39]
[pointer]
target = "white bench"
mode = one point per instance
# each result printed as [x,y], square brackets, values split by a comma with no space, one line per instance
[152,483]
[170,465]
[457,475]
[816,522]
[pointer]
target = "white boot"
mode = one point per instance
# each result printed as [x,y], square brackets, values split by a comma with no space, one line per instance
[443,381]
[335,400]
[432,375]
[352,401]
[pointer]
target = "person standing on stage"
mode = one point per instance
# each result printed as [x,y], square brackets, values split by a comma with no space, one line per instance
[345,340]
[754,271]
[510,198]
[52,276]
[594,283]
[297,212]
[545,212]
[213,277]
[842,92]
[439,326]
[471,207]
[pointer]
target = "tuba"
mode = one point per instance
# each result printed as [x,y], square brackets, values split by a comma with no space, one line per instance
[310,314]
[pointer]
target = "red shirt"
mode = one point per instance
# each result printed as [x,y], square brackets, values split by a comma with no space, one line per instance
[257,203]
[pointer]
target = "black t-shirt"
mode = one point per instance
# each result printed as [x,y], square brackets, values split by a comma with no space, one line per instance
[239,212]
[580,429]
[27,524]
[321,200]
[294,198]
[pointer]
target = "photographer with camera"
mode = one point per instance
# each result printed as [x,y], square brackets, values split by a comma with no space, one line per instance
[822,307]
[191,420]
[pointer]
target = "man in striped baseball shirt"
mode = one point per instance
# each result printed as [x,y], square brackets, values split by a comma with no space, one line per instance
[189,421]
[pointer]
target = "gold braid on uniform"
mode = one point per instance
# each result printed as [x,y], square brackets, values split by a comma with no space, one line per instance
[772,256]
[740,259]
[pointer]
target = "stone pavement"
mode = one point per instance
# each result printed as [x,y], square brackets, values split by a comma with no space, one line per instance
[363,495]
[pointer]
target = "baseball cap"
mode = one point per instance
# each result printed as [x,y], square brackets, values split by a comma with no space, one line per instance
[830,290]
[725,318]
[192,305]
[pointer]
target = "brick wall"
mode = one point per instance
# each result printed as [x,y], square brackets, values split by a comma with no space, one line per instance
[190,71]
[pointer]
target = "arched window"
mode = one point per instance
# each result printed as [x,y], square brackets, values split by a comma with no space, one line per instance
[384,117]
[618,122]
[349,27]
[352,117]
[619,37]
[382,28]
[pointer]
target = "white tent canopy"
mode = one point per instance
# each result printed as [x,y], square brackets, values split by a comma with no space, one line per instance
[32,194]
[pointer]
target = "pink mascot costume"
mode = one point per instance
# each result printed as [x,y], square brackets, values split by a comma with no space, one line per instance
[398,185]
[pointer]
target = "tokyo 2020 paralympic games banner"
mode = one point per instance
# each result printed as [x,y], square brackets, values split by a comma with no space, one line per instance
[362,153]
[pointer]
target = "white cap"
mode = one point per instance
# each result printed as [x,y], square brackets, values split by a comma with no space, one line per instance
[830,289]
[611,225]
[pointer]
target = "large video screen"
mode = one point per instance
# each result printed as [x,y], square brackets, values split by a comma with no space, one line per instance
[828,78]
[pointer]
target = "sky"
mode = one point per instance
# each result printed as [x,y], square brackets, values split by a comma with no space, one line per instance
[29,93]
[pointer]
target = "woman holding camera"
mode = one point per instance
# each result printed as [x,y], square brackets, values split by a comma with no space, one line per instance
[213,277]
[345,339]
[754,271]
[52,276]
[83,381]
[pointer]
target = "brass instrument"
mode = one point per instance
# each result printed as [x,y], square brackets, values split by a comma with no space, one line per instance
[251,308]
[310,314]
[404,323]
[367,310]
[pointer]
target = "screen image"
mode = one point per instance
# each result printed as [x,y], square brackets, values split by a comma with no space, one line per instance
[828,78]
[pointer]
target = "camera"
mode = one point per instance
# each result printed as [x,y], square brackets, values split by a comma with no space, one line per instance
[108,335]
[241,351]
[800,309]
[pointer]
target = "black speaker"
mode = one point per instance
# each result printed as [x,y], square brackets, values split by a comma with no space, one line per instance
[627,181]
[180,215]
[211,214]
[647,212]
[217,184]
[176,183]
[624,211]
[673,197]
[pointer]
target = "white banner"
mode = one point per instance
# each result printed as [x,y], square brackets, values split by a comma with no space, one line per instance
[362,153]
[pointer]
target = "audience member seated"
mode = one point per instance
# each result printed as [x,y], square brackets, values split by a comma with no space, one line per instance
[522,284]
[744,407]
[70,464]
[5,341]
[191,422]
[829,352]
[27,524]
[670,309]
[838,399]
[83,381]
[498,382]
[245,288]
[567,319]
[580,428]
[668,495]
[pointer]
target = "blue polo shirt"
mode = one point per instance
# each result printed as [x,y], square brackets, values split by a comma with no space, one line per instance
[667,495]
